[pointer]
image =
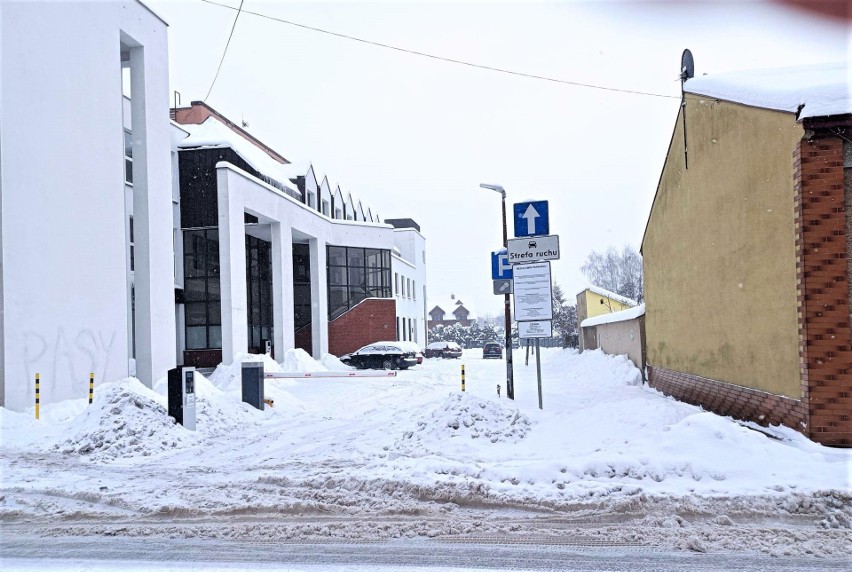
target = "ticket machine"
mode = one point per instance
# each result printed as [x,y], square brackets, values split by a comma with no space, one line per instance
[182,396]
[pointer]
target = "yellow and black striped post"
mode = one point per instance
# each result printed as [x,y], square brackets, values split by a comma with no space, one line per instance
[462,377]
[91,387]
[37,395]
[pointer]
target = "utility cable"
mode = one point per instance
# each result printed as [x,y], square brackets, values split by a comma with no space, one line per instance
[441,58]
[231,35]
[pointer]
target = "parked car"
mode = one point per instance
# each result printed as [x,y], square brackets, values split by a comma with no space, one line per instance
[492,350]
[413,347]
[381,355]
[443,350]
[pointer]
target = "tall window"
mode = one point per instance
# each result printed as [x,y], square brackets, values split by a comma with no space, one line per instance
[408,287]
[259,292]
[325,208]
[128,157]
[301,285]
[355,274]
[202,295]
[132,247]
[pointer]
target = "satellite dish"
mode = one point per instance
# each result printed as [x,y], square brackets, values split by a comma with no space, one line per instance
[687,66]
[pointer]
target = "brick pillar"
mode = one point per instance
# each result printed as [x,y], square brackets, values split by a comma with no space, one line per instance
[825,340]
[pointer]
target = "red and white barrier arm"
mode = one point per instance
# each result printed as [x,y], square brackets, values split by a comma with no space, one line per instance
[326,374]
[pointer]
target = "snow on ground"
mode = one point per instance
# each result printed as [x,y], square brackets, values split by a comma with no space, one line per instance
[413,455]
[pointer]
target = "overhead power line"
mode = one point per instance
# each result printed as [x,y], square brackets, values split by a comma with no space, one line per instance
[434,57]
[228,43]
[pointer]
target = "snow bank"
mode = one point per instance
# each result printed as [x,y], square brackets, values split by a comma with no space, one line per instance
[126,419]
[466,416]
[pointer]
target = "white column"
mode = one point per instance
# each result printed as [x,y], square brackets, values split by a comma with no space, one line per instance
[319,297]
[232,268]
[152,217]
[282,288]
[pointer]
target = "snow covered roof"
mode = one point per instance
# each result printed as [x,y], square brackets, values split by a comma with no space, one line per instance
[212,133]
[296,169]
[607,294]
[621,316]
[819,90]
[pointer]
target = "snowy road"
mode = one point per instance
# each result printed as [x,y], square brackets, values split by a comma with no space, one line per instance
[367,464]
[131,555]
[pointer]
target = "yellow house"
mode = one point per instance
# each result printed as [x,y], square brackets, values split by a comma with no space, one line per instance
[594,301]
[746,247]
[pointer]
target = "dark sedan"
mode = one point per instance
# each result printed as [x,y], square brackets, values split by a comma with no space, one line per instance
[443,350]
[492,350]
[381,355]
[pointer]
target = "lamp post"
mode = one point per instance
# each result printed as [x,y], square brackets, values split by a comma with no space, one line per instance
[510,382]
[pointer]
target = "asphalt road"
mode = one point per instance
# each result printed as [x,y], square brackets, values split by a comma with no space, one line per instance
[35,552]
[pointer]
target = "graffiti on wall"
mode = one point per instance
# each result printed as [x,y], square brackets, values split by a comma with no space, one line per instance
[64,360]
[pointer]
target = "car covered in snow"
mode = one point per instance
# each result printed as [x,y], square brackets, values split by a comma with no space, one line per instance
[443,350]
[382,355]
[492,350]
[413,347]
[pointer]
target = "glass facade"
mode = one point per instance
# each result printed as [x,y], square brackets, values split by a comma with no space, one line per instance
[301,285]
[355,274]
[203,308]
[259,292]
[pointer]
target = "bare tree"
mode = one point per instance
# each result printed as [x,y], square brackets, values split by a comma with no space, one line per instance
[619,272]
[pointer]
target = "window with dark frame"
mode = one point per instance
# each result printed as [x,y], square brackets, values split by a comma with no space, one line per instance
[355,274]
[202,289]
[128,157]
[132,246]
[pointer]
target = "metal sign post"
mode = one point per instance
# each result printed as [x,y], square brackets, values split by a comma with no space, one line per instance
[538,370]
[533,289]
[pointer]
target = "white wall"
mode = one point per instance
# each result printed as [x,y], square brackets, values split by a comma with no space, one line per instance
[411,265]
[239,192]
[63,213]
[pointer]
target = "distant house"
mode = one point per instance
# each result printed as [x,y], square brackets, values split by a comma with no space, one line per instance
[619,333]
[747,252]
[451,312]
[595,301]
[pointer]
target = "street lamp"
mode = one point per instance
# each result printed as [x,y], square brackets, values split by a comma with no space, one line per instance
[510,382]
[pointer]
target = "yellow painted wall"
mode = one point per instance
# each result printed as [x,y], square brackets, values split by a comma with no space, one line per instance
[595,308]
[719,250]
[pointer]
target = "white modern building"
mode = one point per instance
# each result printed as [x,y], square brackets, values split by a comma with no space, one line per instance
[409,280]
[66,308]
[130,243]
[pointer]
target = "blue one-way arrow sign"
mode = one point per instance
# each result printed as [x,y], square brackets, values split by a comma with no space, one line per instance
[531,218]
[500,267]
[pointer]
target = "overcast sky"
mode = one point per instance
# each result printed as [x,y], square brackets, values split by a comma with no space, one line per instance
[414,137]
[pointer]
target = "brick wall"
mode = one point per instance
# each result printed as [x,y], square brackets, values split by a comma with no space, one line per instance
[729,399]
[823,294]
[372,320]
[304,339]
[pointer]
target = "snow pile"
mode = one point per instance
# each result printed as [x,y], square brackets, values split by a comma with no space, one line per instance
[126,419]
[332,363]
[298,360]
[218,412]
[229,377]
[467,416]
